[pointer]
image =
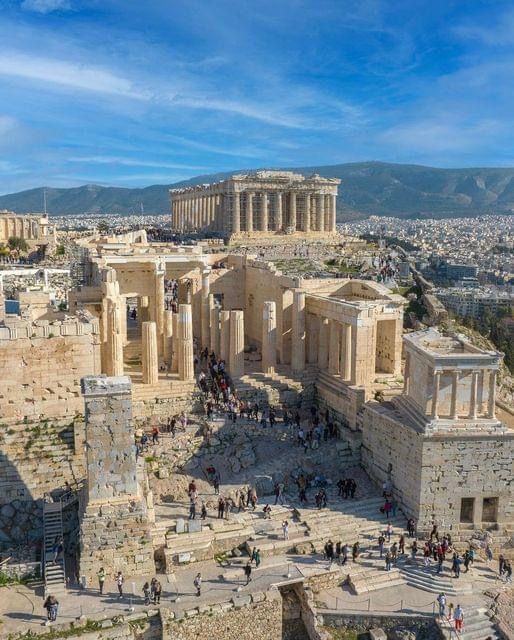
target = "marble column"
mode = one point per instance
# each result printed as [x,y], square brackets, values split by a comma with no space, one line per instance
[269,337]
[292,210]
[124,318]
[167,338]
[278,211]
[307,213]
[346,370]
[215,330]
[264,211]
[224,334]
[326,212]
[236,213]
[332,214]
[185,336]
[320,214]
[334,344]
[114,360]
[324,333]
[453,401]
[249,211]
[298,333]
[150,357]
[237,343]
[159,303]
[205,309]
[174,343]
[142,310]
[435,394]
[491,405]
[473,395]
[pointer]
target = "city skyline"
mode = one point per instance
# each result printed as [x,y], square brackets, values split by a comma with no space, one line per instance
[96,92]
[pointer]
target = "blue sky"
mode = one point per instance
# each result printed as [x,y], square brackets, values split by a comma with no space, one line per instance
[131,93]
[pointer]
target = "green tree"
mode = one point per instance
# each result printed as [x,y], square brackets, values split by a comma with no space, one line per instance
[18,244]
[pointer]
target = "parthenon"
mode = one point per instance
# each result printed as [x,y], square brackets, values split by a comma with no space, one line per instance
[265,202]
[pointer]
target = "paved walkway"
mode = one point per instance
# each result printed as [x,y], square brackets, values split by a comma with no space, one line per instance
[21,608]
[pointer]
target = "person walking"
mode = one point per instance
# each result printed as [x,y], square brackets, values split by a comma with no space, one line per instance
[285,529]
[458,616]
[508,572]
[381,542]
[441,601]
[101,580]
[51,605]
[388,561]
[248,572]
[257,558]
[197,582]
[157,590]
[119,584]
[414,549]
[355,551]
[389,531]
[146,592]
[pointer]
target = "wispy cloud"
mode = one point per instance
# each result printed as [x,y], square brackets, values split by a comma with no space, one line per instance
[135,162]
[439,135]
[45,6]
[67,74]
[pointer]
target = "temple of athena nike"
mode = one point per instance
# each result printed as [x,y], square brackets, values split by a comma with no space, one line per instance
[257,205]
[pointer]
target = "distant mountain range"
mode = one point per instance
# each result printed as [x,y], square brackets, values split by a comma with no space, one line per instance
[367,188]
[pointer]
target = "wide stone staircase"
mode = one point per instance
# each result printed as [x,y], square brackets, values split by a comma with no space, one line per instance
[53,572]
[477,626]
[275,388]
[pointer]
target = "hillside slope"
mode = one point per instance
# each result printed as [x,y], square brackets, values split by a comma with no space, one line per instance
[367,188]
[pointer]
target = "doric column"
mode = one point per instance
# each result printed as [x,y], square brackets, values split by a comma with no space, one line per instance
[174,343]
[185,335]
[150,358]
[292,210]
[249,211]
[124,312]
[205,309]
[237,343]
[278,211]
[224,334]
[312,330]
[473,395]
[142,310]
[333,351]
[346,371]
[298,336]
[167,337]
[215,330]
[435,394]
[453,401]
[327,203]
[264,211]
[236,213]
[159,302]
[269,337]
[114,360]
[324,332]
[307,213]
[320,214]
[332,214]
[491,405]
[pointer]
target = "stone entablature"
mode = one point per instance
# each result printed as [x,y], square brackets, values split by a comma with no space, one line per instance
[263,202]
[20,329]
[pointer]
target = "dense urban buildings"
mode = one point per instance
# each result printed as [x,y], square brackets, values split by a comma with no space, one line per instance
[266,202]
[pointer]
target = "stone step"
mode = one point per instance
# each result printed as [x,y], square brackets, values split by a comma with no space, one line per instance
[375,581]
